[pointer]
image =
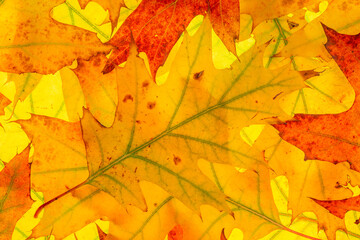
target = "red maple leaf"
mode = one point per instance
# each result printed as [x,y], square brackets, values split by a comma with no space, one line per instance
[156,25]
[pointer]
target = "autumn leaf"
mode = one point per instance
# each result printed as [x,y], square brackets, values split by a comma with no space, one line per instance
[333,137]
[157,25]
[14,193]
[46,49]
[60,148]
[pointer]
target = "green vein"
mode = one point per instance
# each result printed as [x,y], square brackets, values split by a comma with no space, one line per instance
[304,100]
[41,44]
[281,30]
[209,143]
[186,83]
[279,225]
[88,22]
[321,180]
[169,130]
[326,95]
[118,183]
[301,190]
[61,170]
[276,46]
[236,79]
[132,132]
[179,177]
[8,190]
[151,215]
[213,223]
[59,109]
[70,209]
[64,144]
[296,103]
[71,15]
[216,177]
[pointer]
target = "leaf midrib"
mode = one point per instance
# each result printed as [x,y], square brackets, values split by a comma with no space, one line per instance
[131,153]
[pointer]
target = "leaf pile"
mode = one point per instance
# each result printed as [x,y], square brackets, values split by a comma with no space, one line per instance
[180,157]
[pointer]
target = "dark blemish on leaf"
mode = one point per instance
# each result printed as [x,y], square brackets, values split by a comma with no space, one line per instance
[256,101]
[145,84]
[155,204]
[135,170]
[176,160]
[109,158]
[357,221]
[123,175]
[197,76]
[292,24]
[138,121]
[277,95]
[338,185]
[308,74]
[151,105]
[128,97]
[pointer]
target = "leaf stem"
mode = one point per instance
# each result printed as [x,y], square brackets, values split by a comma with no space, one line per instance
[57,197]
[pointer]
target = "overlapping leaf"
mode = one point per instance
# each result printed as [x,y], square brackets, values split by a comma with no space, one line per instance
[14,193]
[33,42]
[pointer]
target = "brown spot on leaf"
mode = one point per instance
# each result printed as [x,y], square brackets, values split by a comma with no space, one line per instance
[197,76]
[151,105]
[145,84]
[308,74]
[176,160]
[292,24]
[128,97]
